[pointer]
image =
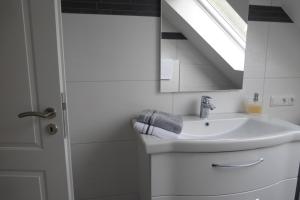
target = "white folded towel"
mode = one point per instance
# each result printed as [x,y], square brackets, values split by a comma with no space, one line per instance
[155,131]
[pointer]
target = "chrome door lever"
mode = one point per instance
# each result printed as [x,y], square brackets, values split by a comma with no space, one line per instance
[49,113]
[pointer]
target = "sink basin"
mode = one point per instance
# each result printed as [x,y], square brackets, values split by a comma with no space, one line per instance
[225,132]
[194,128]
[230,127]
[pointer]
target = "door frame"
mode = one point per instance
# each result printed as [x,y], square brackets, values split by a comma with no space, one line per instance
[63,88]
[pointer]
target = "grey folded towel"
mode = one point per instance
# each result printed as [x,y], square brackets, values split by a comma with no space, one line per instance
[167,121]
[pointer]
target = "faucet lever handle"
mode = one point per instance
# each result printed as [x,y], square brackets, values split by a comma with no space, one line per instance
[205,99]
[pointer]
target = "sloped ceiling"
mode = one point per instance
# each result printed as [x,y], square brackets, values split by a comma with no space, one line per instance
[292,7]
[241,8]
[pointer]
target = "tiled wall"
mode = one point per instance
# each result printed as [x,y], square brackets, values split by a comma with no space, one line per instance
[152,8]
[112,73]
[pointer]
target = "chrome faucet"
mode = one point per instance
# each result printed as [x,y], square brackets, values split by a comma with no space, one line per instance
[206,105]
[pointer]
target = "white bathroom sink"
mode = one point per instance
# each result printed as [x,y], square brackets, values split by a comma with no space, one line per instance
[220,127]
[225,132]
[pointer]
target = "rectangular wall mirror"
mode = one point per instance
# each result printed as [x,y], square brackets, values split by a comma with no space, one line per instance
[203,45]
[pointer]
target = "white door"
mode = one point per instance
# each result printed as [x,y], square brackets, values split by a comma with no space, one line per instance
[34,161]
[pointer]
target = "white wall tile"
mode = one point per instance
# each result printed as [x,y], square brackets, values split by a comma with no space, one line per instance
[110,47]
[283,58]
[202,77]
[290,86]
[251,86]
[261,2]
[187,53]
[168,49]
[277,3]
[166,26]
[225,101]
[101,111]
[189,103]
[255,61]
[105,169]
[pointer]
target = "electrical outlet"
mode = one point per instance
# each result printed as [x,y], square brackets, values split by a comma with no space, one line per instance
[291,100]
[284,100]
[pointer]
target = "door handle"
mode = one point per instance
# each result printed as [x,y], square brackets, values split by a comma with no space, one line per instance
[49,113]
[238,166]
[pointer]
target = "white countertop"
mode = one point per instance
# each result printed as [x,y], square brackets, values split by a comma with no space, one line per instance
[155,145]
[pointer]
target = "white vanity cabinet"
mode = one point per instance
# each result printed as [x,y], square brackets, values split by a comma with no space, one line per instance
[281,191]
[260,174]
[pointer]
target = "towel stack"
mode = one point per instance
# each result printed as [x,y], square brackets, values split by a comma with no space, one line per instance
[160,124]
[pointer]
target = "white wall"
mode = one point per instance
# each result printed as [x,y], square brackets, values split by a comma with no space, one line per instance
[113,73]
[292,8]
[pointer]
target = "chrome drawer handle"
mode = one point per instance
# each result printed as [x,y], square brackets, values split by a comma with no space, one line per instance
[49,113]
[238,166]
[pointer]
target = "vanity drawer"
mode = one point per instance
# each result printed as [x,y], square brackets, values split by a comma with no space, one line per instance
[282,191]
[193,173]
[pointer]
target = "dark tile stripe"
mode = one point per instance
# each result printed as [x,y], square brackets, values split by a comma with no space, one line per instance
[172,36]
[152,8]
[268,13]
[113,7]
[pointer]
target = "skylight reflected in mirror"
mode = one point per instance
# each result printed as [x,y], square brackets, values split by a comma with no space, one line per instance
[225,31]
[214,30]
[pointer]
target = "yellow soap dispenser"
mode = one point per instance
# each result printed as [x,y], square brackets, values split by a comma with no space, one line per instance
[254,106]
